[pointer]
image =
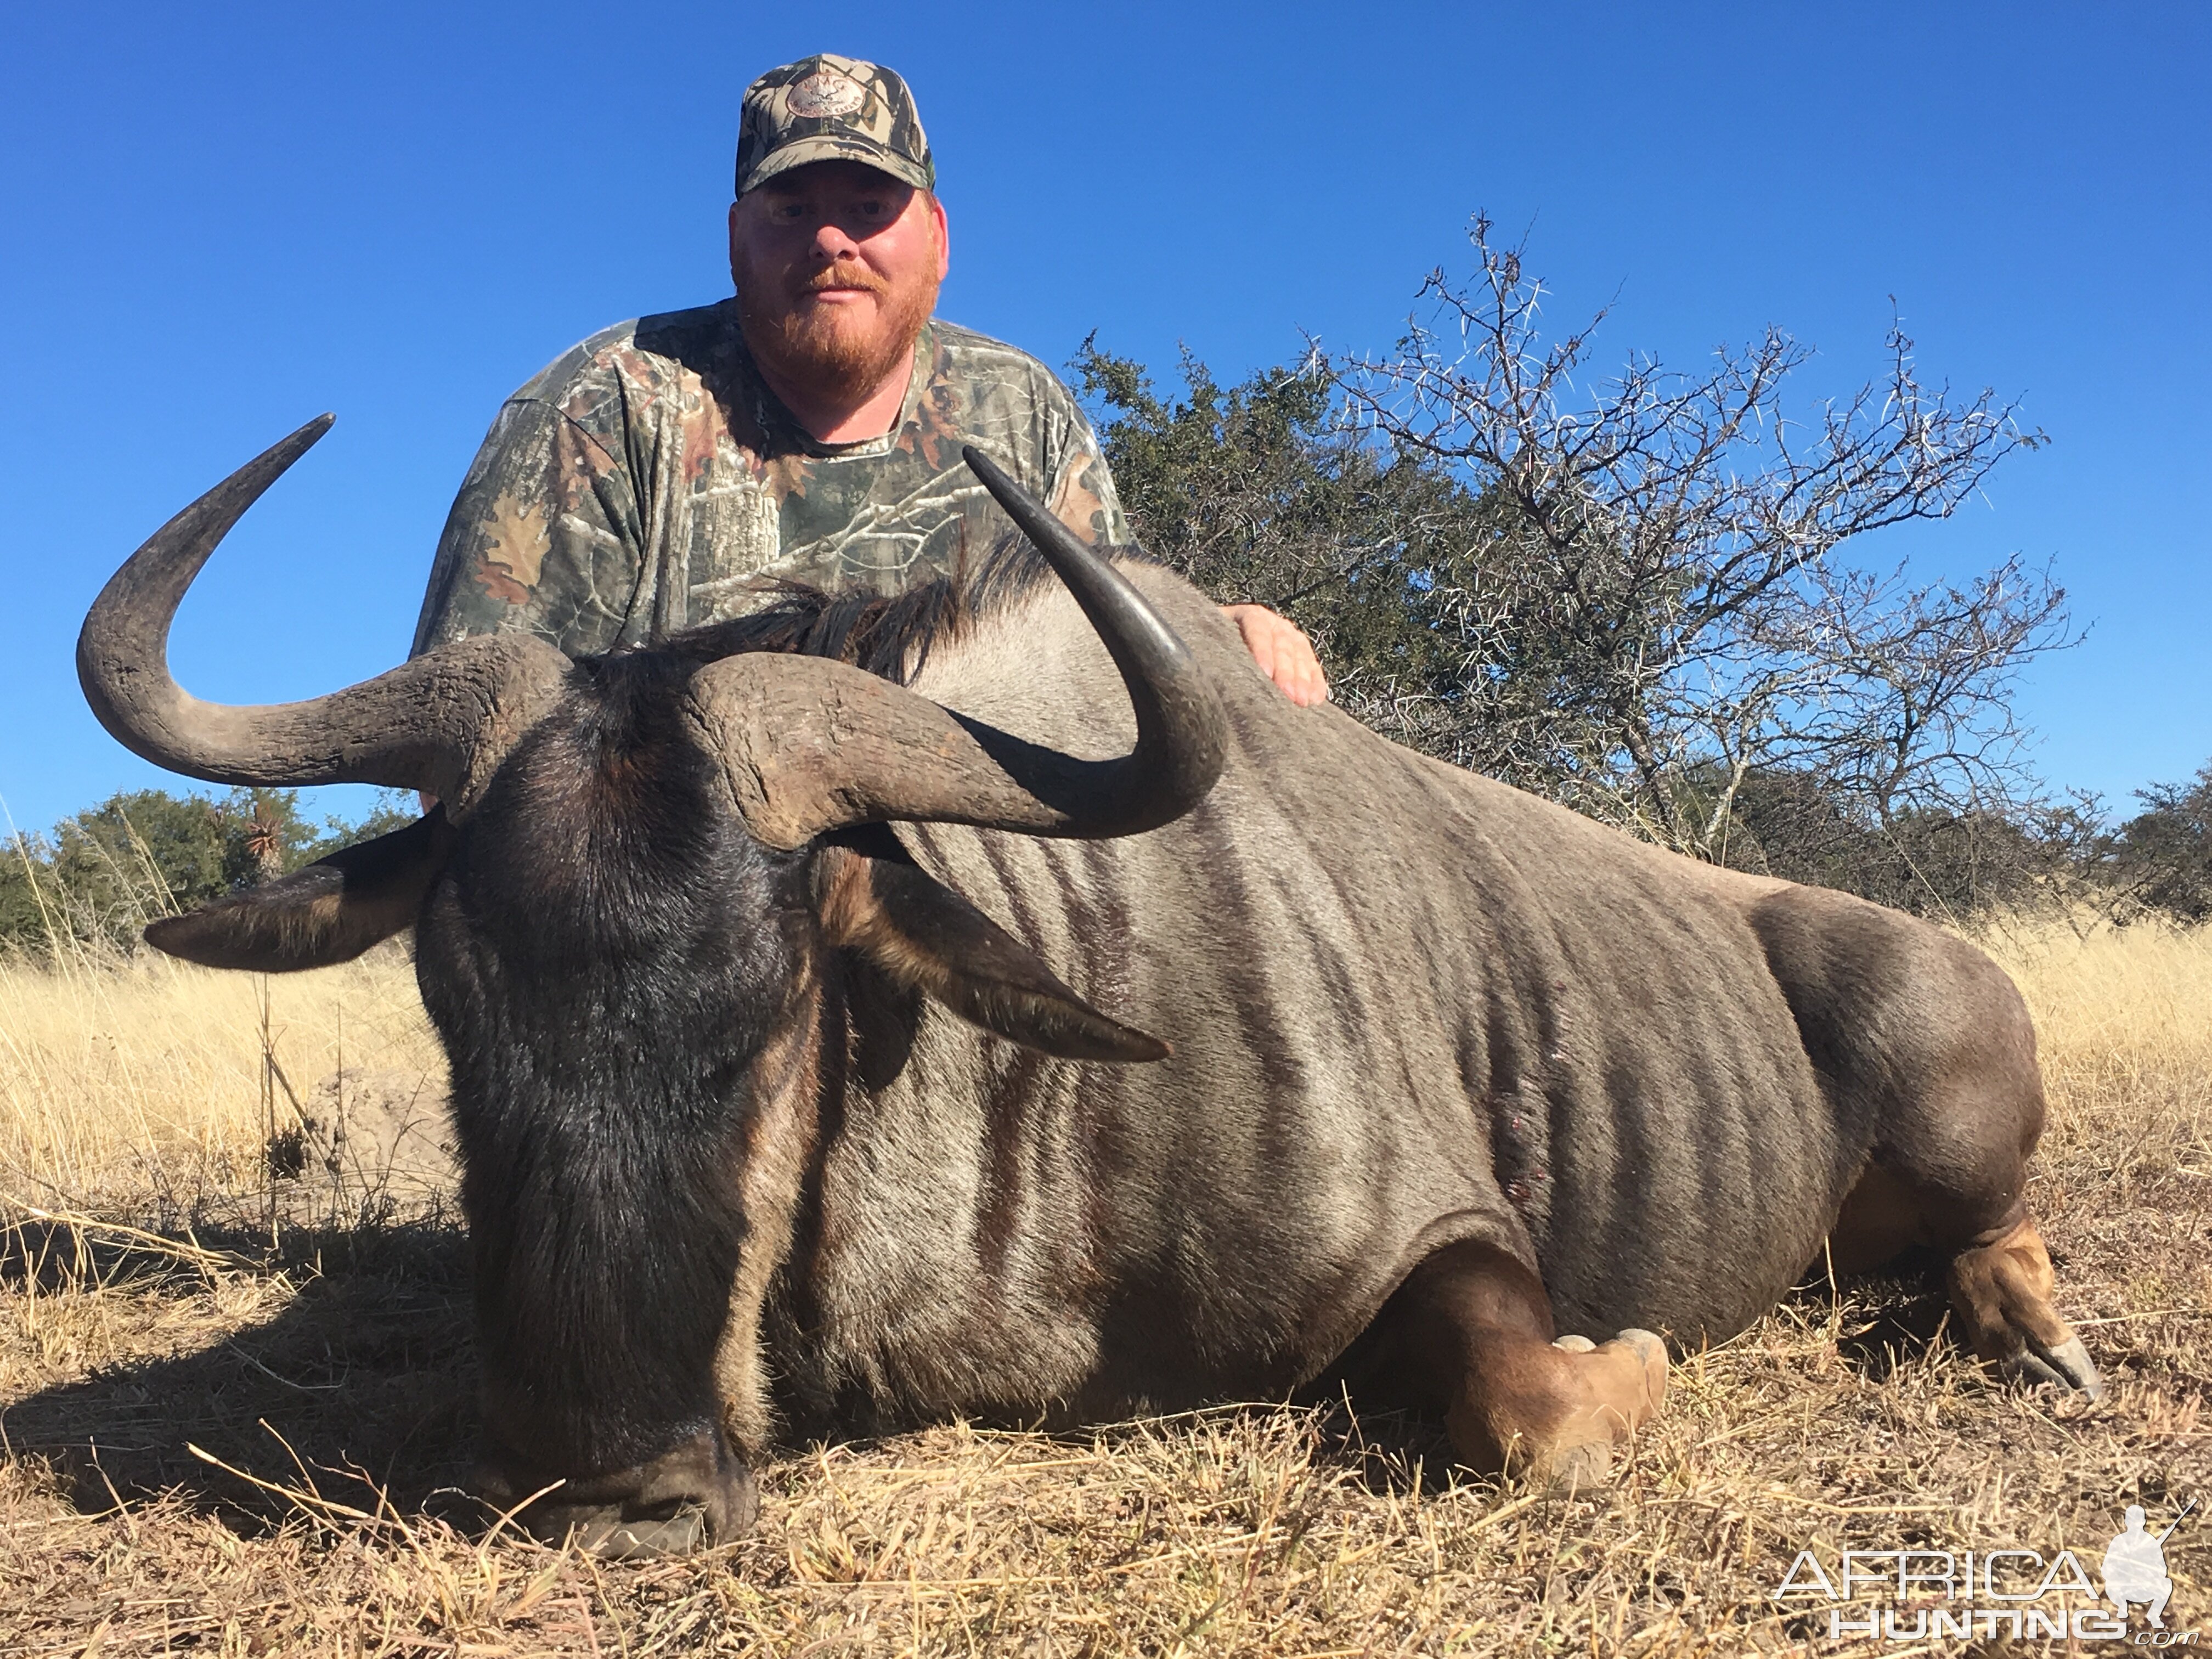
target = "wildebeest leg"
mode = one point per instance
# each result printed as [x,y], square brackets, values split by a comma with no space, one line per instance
[1926,1047]
[1470,1331]
[2001,1290]
[1999,1277]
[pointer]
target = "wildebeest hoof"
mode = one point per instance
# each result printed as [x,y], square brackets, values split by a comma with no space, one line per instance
[2061,1365]
[1608,1391]
[1575,1471]
[683,1533]
[1651,1349]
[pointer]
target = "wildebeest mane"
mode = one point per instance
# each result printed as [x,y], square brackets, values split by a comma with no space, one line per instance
[890,635]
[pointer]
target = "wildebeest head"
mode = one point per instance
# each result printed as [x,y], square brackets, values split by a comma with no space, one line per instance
[643,866]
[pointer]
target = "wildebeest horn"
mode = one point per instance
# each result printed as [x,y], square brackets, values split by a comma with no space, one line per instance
[440,722]
[812,745]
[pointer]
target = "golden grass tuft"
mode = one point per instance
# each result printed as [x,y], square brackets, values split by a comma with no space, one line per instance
[125,1080]
[230,1421]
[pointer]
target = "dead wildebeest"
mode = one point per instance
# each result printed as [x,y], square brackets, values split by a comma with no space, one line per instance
[1367,1070]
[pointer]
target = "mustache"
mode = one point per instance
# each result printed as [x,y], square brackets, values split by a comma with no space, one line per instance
[844,274]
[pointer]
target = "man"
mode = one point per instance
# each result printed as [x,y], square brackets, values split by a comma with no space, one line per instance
[808,428]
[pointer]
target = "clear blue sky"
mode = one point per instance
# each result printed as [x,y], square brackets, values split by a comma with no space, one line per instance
[222,219]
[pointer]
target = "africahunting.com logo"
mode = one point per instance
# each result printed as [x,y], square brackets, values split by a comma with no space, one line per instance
[1916,1595]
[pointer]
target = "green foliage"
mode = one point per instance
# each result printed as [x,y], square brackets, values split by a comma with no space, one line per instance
[145,852]
[2162,858]
[102,874]
[1260,493]
[1926,860]
[395,808]
[22,919]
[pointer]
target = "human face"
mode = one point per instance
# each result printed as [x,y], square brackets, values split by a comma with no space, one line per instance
[837,267]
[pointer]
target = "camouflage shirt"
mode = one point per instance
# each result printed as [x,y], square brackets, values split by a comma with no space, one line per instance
[648,479]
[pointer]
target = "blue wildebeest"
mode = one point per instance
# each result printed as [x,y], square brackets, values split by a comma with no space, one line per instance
[1365,1071]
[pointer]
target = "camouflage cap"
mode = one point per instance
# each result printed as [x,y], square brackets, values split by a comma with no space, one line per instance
[827,108]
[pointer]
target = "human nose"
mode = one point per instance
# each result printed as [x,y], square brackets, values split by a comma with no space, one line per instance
[832,243]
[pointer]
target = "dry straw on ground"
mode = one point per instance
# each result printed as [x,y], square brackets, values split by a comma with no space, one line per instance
[234,1407]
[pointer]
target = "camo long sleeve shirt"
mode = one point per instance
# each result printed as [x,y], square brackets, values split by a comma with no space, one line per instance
[648,479]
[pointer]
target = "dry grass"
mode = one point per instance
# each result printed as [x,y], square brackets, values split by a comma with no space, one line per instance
[228,1433]
[125,1082]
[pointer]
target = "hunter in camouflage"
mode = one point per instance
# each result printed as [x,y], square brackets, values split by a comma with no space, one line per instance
[648,480]
[674,470]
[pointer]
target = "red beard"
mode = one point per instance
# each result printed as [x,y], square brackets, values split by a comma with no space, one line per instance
[842,353]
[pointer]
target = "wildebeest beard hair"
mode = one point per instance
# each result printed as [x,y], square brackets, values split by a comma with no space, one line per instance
[608,956]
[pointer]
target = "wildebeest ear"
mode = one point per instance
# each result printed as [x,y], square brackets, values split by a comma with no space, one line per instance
[331,911]
[874,899]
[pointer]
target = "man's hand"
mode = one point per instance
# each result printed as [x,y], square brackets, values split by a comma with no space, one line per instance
[1284,653]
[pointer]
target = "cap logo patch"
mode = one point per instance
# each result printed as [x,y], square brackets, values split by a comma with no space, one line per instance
[824,93]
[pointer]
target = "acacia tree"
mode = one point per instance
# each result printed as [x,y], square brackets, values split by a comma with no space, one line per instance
[2162,858]
[1264,493]
[1648,608]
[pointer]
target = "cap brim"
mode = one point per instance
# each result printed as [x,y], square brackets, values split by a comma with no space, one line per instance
[803,152]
